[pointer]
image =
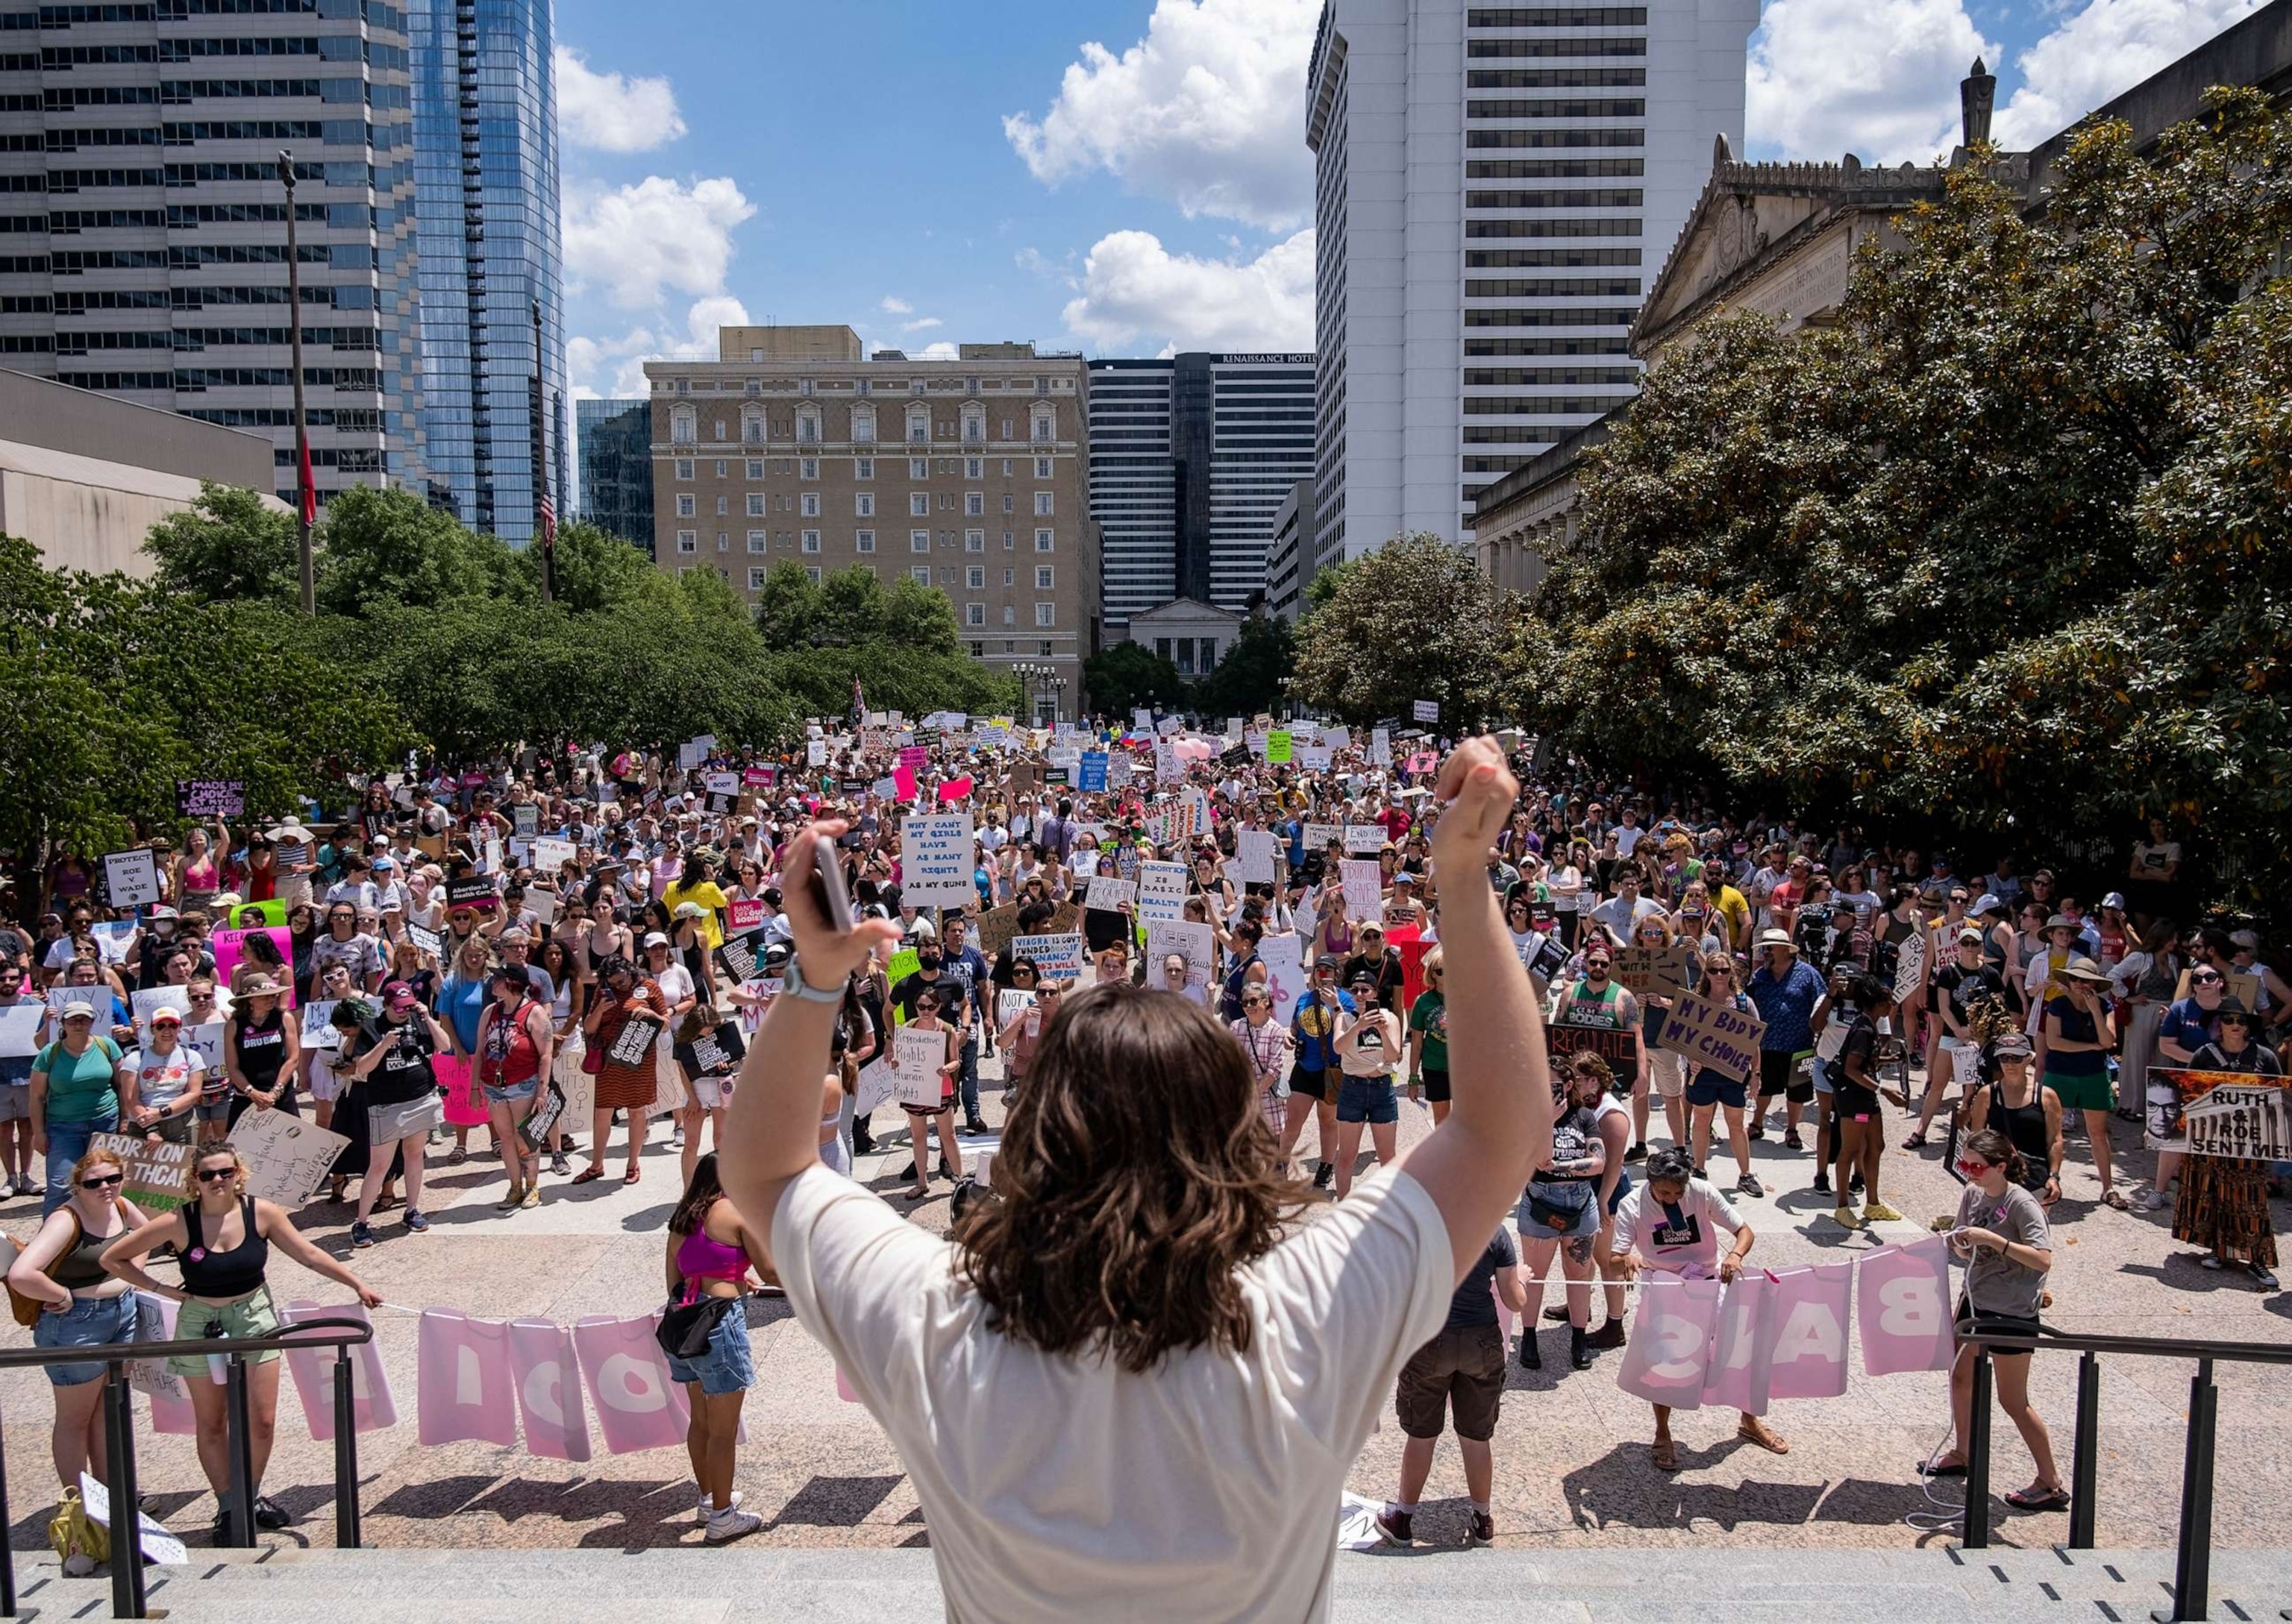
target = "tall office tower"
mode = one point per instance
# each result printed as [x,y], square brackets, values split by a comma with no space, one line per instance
[1495,185]
[1191,458]
[143,222]
[485,138]
[616,463]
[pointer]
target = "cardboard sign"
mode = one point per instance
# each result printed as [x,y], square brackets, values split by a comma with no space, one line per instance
[131,879]
[1425,710]
[159,1176]
[1612,1044]
[935,860]
[1254,853]
[1709,1035]
[1111,895]
[1364,839]
[916,1058]
[1058,957]
[1362,888]
[1280,747]
[286,1157]
[2243,985]
[206,798]
[1659,970]
[1911,969]
[550,854]
[1161,891]
[991,931]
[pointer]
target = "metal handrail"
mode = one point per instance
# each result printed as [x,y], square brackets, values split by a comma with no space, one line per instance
[128,1600]
[2192,1559]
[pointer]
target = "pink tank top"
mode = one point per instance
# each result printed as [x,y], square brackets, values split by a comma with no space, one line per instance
[701,1257]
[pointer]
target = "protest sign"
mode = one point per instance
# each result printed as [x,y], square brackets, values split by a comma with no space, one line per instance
[1091,772]
[131,879]
[317,1024]
[286,1157]
[1902,1304]
[159,1176]
[742,915]
[1611,1043]
[20,1029]
[1167,767]
[1255,851]
[1284,972]
[1110,894]
[991,931]
[1426,710]
[1161,891]
[741,958]
[275,953]
[1380,747]
[877,1082]
[634,1045]
[1192,943]
[916,1058]
[525,820]
[1911,969]
[1280,747]
[113,937]
[1710,1034]
[1009,1002]
[1318,836]
[550,854]
[475,891]
[204,798]
[1364,839]
[425,939]
[1119,770]
[815,752]
[2220,1114]
[935,855]
[1142,722]
[1362,886]
[1058,957]
[2243,985]
[1659,970]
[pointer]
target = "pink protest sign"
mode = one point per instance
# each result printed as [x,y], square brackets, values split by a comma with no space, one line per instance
[462,1383]
[744,915]
[1901,1305]
[314,1371]
[548,1390]
[915,758]
[276,955]
[1670,1342]
[903,782]
[955,789]
[753,775]
[639,1405]
[170,1400]
[465,1099]
[1806,1357]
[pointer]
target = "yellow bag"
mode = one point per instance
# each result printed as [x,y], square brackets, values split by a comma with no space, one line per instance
[71,1532]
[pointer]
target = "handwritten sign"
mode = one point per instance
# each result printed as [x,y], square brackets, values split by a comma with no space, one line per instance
[1161,891]
[1362,886]
[130,877]
[1111,895]
[1280,747]
[286,1157]
[916,1058]
[550,854]
[1364,839]
[210,796]
[1058,957]
[935,857]
[1255,853]
[159,1176]
[1910,968]
[1425,709]
[1711,1036]
[1659,970]
[1192,943]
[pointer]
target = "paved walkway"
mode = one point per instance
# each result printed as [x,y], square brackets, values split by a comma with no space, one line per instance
[1572,1463]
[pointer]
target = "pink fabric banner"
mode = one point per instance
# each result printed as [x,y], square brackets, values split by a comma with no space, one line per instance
[1806,1357]
[314,1371]
[548,1390]
[462,1383]
[1901,1304]
[1670,1344]
[639,1406]
[955,789]
[1740,1340]
[903,782]
[465,1099]
[171,1398]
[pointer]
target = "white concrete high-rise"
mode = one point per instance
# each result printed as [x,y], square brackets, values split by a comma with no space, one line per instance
[1494,186]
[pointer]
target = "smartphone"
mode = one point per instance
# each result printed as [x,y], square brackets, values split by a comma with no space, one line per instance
[827,888]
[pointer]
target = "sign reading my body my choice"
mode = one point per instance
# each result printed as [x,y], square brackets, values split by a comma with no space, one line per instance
[936,860]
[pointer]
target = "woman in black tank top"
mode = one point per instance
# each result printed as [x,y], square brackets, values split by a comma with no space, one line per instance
[224,1237]
[2028,1113]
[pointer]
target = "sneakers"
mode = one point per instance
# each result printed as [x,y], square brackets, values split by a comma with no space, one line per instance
[1844,1217]
[414,1221]
[676,1136]
[1483,1529]
[1610,1334]
[1398,1527]
[1791,1141]
[1879,1212]
[1822,1185]
[2211,1260]
[1700,1173]
[1637,1153]
[2151,1200]
[558,1165]
[1855,1184]
[361,1235]
[508,1204]
[1749,1185]
[703,1511]
[732,1523]
[269,1514]
[2261,1276]
[532,1196]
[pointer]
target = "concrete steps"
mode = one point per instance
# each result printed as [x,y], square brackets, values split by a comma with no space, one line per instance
[1718,1583]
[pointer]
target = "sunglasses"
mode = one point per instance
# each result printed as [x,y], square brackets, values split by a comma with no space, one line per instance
[216,1175]
[1431,975]
[1971,1168]
[2204,981]
[107,1180]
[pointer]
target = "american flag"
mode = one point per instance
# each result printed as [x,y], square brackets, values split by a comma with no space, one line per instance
[548,522]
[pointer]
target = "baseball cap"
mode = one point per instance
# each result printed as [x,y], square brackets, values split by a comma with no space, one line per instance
[78,1009]
[1988,902]
[398,992]
[166,1015]
[2013,1046]
[2114,899]
[1974,936]
[655,939]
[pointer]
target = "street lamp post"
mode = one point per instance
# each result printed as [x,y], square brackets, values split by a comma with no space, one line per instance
[305,486]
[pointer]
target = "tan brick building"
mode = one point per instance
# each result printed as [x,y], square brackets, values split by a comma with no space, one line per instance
[970,474]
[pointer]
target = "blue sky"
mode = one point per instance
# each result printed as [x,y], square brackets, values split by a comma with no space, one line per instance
[1120,176]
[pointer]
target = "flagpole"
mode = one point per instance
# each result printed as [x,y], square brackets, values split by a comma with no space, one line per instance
[306,491]
[544,511]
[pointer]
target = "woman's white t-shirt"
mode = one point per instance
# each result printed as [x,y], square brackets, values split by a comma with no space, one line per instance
[1693,1239]
[1058,1487]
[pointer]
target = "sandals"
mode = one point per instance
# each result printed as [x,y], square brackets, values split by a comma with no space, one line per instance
[922,1194]
[633,1175]
[1667,1455]
[1917,1141]
[589,1174]
[1754,1431]
[2041,1500]
[2113,1197]
[1941,1468]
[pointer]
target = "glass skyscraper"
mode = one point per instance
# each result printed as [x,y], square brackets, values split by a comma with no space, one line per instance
[485,149]
[615,463]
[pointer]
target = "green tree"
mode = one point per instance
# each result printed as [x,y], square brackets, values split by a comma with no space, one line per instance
[1249,679]
[391,546]
[228,546]
[1413,619]
[903,643]
[1129,676]
[594,570]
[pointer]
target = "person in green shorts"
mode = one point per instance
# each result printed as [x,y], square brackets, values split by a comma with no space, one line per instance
[2079,1033]
[1428,1042]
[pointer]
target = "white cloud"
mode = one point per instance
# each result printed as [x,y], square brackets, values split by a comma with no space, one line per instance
[588,360]
[922,323]
[896,307]
[656,237]
[1207,111]
[941,351]
[1132,288]
[1032,260]
[2106,48]
[612,112]
[1877,78]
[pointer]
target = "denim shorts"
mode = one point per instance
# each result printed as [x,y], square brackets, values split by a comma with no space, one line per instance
[1588,1222]
[1367,1099]
[727,1367]
[91,1322]
[516,1094]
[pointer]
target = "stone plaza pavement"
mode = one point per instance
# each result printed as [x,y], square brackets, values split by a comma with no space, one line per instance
[1572,1449]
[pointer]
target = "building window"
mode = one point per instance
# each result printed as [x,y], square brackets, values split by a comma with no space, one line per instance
[803,386]
[978,651]
[863,540]
[724,544]
[1046,541]
[683,426]
[921,572]
[807,467]
[812,541]
[1045,427]
[864,386]
[723,506]
[1162,649]
[684,468]
[1007,427]
[807,427]
[752,426]
[863,467]
[914,386]
[1008,544]
[1010,616]
[720,468]
[720,430]
[974,504]
[1047,614]
[918,468]
[1010,576]
[1041,468]
[918,425]
[863,422]
[1044,577]
[1043,505]
[975,578]
[974,615]
[975,425]
[688,541]
[814,573]
[918,540]
[687,505]
[755,468]
[759,541]
[810,504]
[756,579]
[863,504]
[756,504]
[918,504]
[975,468]
[974,541]
[1208,654]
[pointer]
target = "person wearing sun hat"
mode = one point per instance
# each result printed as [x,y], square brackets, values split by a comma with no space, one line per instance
[2223,1200]
[2080,1031]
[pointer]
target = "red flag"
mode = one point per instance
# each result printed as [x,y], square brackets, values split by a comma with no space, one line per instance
[309,486]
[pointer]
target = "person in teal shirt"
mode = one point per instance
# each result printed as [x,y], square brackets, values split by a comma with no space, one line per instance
[77,1083]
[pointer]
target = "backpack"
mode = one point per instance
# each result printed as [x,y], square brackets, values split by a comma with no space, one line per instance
[77,1537]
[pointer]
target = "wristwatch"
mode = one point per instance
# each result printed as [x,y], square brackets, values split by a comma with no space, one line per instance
[792,981]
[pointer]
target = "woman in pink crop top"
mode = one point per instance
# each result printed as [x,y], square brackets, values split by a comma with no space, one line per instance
[710,1251]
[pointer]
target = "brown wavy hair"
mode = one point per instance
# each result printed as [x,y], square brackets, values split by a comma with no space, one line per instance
[1136,1178]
